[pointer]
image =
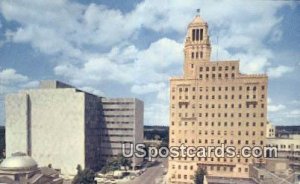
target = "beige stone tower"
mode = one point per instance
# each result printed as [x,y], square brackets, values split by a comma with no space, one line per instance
[214,104]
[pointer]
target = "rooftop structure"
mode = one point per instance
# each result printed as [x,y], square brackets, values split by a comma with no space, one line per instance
[21,168]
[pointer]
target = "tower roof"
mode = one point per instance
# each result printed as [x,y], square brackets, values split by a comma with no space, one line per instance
[197,21]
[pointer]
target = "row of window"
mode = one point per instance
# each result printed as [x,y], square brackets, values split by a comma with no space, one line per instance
[213,68]
[196,55]
[223,124]
[213,76]
[213,97]
[208,106]
[212,132]
[205,159]
[118,109]
[289,146]
[117,103]
[118,122]
[110,135]
[197,34]
[191,167]
[212,141]
[220,88]
[123,129]
[116,116]
[219,115]
[218,168]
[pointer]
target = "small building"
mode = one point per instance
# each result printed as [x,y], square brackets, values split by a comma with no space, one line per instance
[20,168]
[271,131]
[288,146]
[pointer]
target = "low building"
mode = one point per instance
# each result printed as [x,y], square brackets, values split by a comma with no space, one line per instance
[20,168]
[63,126]
[274,171]
[271,131]
[286,130]
[288,146]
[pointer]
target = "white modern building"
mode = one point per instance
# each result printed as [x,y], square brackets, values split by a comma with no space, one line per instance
[60,125]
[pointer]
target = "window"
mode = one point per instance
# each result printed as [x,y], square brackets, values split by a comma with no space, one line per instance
[197,34]
[201,34]
[193,34]
[193,55]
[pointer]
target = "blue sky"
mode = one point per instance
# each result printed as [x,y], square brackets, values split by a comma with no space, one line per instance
[131,48]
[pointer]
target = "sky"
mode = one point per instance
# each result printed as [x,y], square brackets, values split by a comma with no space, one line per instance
[131,48]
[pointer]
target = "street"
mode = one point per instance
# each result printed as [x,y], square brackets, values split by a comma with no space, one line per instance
[153,174]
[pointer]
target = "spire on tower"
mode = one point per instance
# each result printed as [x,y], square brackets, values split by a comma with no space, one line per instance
[198,11]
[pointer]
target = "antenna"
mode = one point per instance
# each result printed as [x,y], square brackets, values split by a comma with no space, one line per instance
[198,11]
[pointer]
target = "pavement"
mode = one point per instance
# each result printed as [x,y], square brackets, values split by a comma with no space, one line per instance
[153,174]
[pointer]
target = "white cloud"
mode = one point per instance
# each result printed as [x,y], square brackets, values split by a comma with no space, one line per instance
[153,64]
[295,113]
[73,33]
[30,84]
[9,76]
[92,91]
[11,80]
[148,88]
[157,113]
[279,71]
[276,108]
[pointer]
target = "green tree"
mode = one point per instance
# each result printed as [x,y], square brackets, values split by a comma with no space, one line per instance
[84,176]
[116,164]
[199,175]
[123,161]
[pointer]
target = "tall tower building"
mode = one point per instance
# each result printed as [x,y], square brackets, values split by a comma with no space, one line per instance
[214,104]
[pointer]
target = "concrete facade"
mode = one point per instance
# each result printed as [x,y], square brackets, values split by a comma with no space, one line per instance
[60,125]
[123,123]
[211,104]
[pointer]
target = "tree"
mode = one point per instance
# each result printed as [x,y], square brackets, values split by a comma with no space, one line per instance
[85,176]
[123,161]
[199,175]
[116,164]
